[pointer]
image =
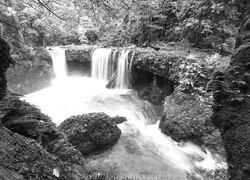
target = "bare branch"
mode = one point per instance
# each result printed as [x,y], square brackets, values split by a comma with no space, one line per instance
[46,7]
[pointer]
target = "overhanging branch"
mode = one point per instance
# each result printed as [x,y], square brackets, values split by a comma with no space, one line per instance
[46,7]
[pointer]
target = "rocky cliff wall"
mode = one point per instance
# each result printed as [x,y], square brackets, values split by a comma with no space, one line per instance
[231,112]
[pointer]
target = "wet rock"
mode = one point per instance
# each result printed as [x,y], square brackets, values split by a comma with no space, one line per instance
[112,83]
[91,132]
[118,119]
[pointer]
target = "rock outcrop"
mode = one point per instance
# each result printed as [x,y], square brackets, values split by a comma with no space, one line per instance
[91,132]
[232,102]
[79,53]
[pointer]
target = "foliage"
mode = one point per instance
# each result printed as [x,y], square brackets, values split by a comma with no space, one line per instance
[132,22]
[206,24]
[38,26]
[91,36]
[28,75]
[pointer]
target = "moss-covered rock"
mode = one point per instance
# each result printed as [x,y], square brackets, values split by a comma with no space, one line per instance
[79,53]
[185,117]
[91,132]
[188,118]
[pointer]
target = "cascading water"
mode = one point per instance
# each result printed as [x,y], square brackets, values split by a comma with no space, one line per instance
[101,63]
[59,62]
[106,63]
[122,80]
[142,149]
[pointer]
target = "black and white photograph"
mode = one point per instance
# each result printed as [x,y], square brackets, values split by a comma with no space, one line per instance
[124,89]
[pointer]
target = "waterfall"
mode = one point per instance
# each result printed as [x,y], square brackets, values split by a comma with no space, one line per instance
[101,61]
[107,62]
[142,148]
[59,62]
[123,70]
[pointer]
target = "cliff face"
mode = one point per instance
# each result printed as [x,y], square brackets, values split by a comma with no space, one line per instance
[231,113]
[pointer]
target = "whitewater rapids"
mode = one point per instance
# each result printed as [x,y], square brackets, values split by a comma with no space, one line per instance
[142,148]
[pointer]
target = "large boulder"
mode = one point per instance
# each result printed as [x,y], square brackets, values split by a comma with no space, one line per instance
[185,117]
[91,132]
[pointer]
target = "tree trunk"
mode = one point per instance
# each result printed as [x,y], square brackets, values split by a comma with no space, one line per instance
[5,61]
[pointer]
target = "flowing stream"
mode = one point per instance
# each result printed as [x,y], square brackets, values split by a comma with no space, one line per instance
[142,151]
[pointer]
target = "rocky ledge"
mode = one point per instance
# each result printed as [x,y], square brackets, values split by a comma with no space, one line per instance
[79,53]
